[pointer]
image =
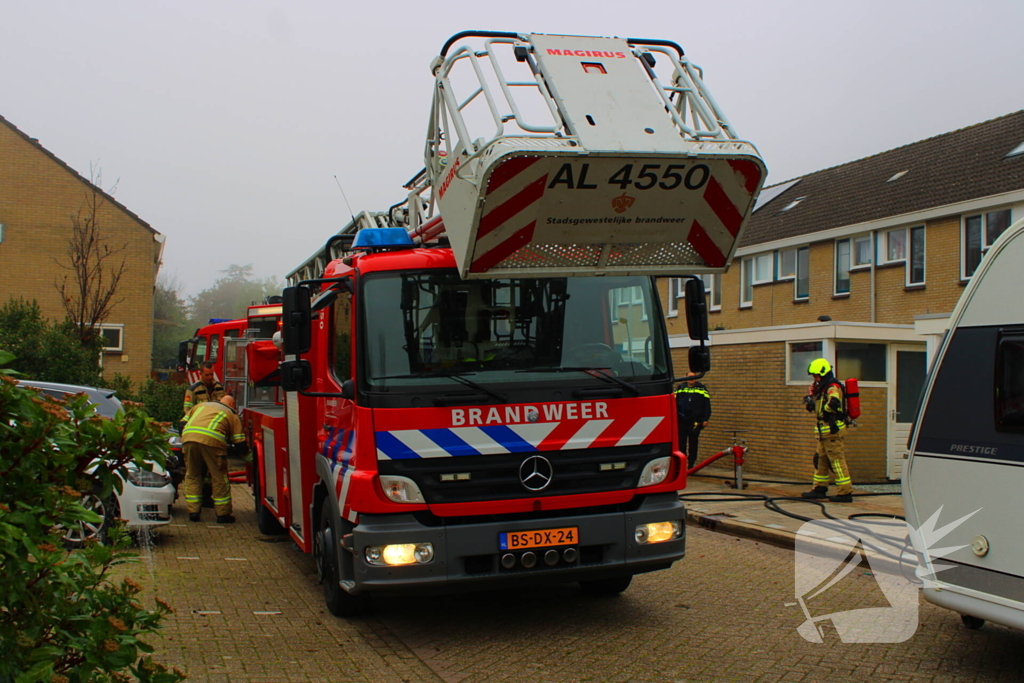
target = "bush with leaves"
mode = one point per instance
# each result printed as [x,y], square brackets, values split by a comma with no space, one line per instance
[45,350]
[162,401]
[65,617]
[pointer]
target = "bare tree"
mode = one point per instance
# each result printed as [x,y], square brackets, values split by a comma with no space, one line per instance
[90,289]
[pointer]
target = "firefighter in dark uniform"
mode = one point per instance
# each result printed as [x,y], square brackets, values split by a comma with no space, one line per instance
[206,389]
[693,410]
[212,430]
[826,401]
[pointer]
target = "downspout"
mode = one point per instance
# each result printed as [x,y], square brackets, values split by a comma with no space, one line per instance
[874,259]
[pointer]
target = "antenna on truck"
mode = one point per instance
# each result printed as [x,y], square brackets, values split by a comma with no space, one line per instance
[350,212]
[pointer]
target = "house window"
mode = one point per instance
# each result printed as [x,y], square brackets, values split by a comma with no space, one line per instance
[802,284]
[896,245]
[915,267]
[862,251]
[842,267]
[675,293]
[862,360]
[756,270]
[113,337]
[785,264]
[979,232]
[713,289]
[800,356]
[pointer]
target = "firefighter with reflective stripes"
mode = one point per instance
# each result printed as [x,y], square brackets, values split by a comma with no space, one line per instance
[212,430]
[206,389]
[693,410]
[827,402]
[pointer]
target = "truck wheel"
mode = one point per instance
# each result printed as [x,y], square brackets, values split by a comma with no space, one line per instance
[340,602]
[606,586]
[973,623]
[265,520]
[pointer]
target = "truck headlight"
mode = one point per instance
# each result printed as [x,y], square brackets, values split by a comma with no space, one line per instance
[401,489]
[655,472]
[152,480]
[658,532]
[397,554]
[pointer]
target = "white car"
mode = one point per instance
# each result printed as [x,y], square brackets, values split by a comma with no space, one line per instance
[146,497]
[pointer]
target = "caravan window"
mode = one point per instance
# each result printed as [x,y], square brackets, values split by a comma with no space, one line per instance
[1010,383]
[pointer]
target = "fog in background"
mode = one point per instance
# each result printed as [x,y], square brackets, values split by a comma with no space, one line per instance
[224,123]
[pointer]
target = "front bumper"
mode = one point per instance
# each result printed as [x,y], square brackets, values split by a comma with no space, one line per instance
[145,506]
[467,555]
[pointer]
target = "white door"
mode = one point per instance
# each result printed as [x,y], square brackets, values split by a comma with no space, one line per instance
[909,365]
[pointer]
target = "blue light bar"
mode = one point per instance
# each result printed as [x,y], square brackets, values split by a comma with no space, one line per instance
[214,321]
[375,238]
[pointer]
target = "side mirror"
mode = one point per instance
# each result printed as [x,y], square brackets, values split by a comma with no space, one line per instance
[348,389]
[296,375]
[183,352]
[325,299]
[696,310]
[296,316]
[699,359]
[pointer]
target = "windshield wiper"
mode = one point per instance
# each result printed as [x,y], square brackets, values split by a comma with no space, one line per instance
[455,376]
[593,372]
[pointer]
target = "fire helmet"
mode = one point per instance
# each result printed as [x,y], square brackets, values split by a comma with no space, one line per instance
[819,367]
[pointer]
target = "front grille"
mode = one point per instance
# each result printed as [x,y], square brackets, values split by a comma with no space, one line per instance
[496,477]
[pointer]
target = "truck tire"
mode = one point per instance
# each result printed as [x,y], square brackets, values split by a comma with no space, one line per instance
[265,520]
[339,602]
[606,586]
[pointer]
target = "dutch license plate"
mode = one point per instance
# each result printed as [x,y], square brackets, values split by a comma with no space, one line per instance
[539,538]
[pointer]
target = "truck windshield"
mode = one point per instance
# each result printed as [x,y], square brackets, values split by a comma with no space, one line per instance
[510,330]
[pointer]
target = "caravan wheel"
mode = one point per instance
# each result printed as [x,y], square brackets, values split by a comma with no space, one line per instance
[973,623]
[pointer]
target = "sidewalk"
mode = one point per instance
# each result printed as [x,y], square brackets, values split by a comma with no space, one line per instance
[713,504]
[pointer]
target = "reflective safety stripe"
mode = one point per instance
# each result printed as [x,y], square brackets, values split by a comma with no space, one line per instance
[693,390]
[220,501]
[193,498]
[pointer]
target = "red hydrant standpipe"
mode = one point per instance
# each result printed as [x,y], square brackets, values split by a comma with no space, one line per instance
[737,452]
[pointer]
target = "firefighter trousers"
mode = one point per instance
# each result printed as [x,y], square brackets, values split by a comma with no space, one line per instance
[830,450]
[217,463]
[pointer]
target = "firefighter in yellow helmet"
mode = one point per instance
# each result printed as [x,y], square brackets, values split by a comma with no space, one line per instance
[212,429]
[826,401]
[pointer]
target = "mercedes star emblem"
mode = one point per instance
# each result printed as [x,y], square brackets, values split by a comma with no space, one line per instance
[536,473]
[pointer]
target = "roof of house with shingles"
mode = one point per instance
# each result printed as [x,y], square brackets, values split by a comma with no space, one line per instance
[954,167]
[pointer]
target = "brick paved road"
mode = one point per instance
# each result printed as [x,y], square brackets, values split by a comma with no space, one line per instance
[248,609]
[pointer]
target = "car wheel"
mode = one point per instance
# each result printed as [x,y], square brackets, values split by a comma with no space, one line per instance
[340,602]
[106,508]
[606,586]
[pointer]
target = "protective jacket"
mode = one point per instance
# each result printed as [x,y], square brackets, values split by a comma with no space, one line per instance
[214,424]
[693,404]
[198,393]
[828,405]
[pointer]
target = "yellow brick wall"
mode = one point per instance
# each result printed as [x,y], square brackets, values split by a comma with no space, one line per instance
[37,198]
[748,391]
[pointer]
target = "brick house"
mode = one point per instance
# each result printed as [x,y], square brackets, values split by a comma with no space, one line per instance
[862,264]
[38,195]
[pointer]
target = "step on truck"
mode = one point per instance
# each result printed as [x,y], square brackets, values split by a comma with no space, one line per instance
[477,382]
[962,481]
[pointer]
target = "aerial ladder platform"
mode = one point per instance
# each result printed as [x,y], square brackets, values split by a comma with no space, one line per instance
[553,155]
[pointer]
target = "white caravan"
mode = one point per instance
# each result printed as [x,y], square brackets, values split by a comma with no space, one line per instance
[962,484]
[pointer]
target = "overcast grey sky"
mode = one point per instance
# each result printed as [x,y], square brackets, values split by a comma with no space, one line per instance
[225,122]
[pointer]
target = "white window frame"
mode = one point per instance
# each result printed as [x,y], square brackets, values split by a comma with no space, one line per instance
[675,293]
[120,337]
[713,287]
[985,244]
[779,256]
[827,351]
[796,278]
[910,255]
[854,242]
[838,267]
[884,251]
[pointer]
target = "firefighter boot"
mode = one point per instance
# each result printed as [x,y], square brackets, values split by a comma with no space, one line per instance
[841,498]
[225,519]
[816,492]
[193,516]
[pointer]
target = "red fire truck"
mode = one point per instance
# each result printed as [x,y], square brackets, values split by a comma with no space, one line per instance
[486,399]
[210,342]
